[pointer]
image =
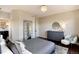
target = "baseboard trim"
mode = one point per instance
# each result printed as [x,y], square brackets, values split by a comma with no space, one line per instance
[42,38]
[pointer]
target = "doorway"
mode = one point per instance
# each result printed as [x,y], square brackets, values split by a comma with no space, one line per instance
[27,29]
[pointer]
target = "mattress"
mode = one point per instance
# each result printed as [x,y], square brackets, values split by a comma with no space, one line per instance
[39,46]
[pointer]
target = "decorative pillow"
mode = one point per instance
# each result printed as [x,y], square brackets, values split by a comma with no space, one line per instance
[21,48]
[12,47]
[24,51]
[18,47]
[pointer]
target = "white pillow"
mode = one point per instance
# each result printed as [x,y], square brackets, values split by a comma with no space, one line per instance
[2,41]
[66,42]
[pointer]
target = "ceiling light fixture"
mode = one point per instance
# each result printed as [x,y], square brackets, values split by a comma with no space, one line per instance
[44,8]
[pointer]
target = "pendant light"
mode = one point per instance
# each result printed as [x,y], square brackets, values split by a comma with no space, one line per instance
[43,8]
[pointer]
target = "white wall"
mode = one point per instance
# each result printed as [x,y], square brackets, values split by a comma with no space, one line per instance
[37,26]
[25,16]
[4,15]
[17,24]
[68,20]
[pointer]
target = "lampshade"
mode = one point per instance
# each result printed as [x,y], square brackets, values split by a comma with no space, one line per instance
[43,8]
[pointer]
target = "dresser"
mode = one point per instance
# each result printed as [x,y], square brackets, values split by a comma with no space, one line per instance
[55,35]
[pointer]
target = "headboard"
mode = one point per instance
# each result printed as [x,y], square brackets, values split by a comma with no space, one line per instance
[5,34]
[55,35]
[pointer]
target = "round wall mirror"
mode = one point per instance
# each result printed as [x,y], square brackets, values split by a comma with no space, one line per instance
[56,26]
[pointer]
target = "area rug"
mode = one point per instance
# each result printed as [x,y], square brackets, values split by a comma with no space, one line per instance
[61,50]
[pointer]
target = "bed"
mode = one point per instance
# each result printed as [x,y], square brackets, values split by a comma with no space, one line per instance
[39,46]
[33,46]
[17,47]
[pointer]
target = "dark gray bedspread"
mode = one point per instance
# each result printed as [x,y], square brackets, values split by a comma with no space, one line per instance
[0,49]
[39,46]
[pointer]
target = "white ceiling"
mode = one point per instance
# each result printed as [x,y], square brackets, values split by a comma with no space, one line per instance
[35,9]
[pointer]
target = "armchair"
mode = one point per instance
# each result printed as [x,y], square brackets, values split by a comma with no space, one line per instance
[70,39]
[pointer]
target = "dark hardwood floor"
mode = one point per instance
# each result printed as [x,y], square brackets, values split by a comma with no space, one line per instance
[72,48]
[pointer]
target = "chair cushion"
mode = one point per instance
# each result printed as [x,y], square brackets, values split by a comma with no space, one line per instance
[66,42]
